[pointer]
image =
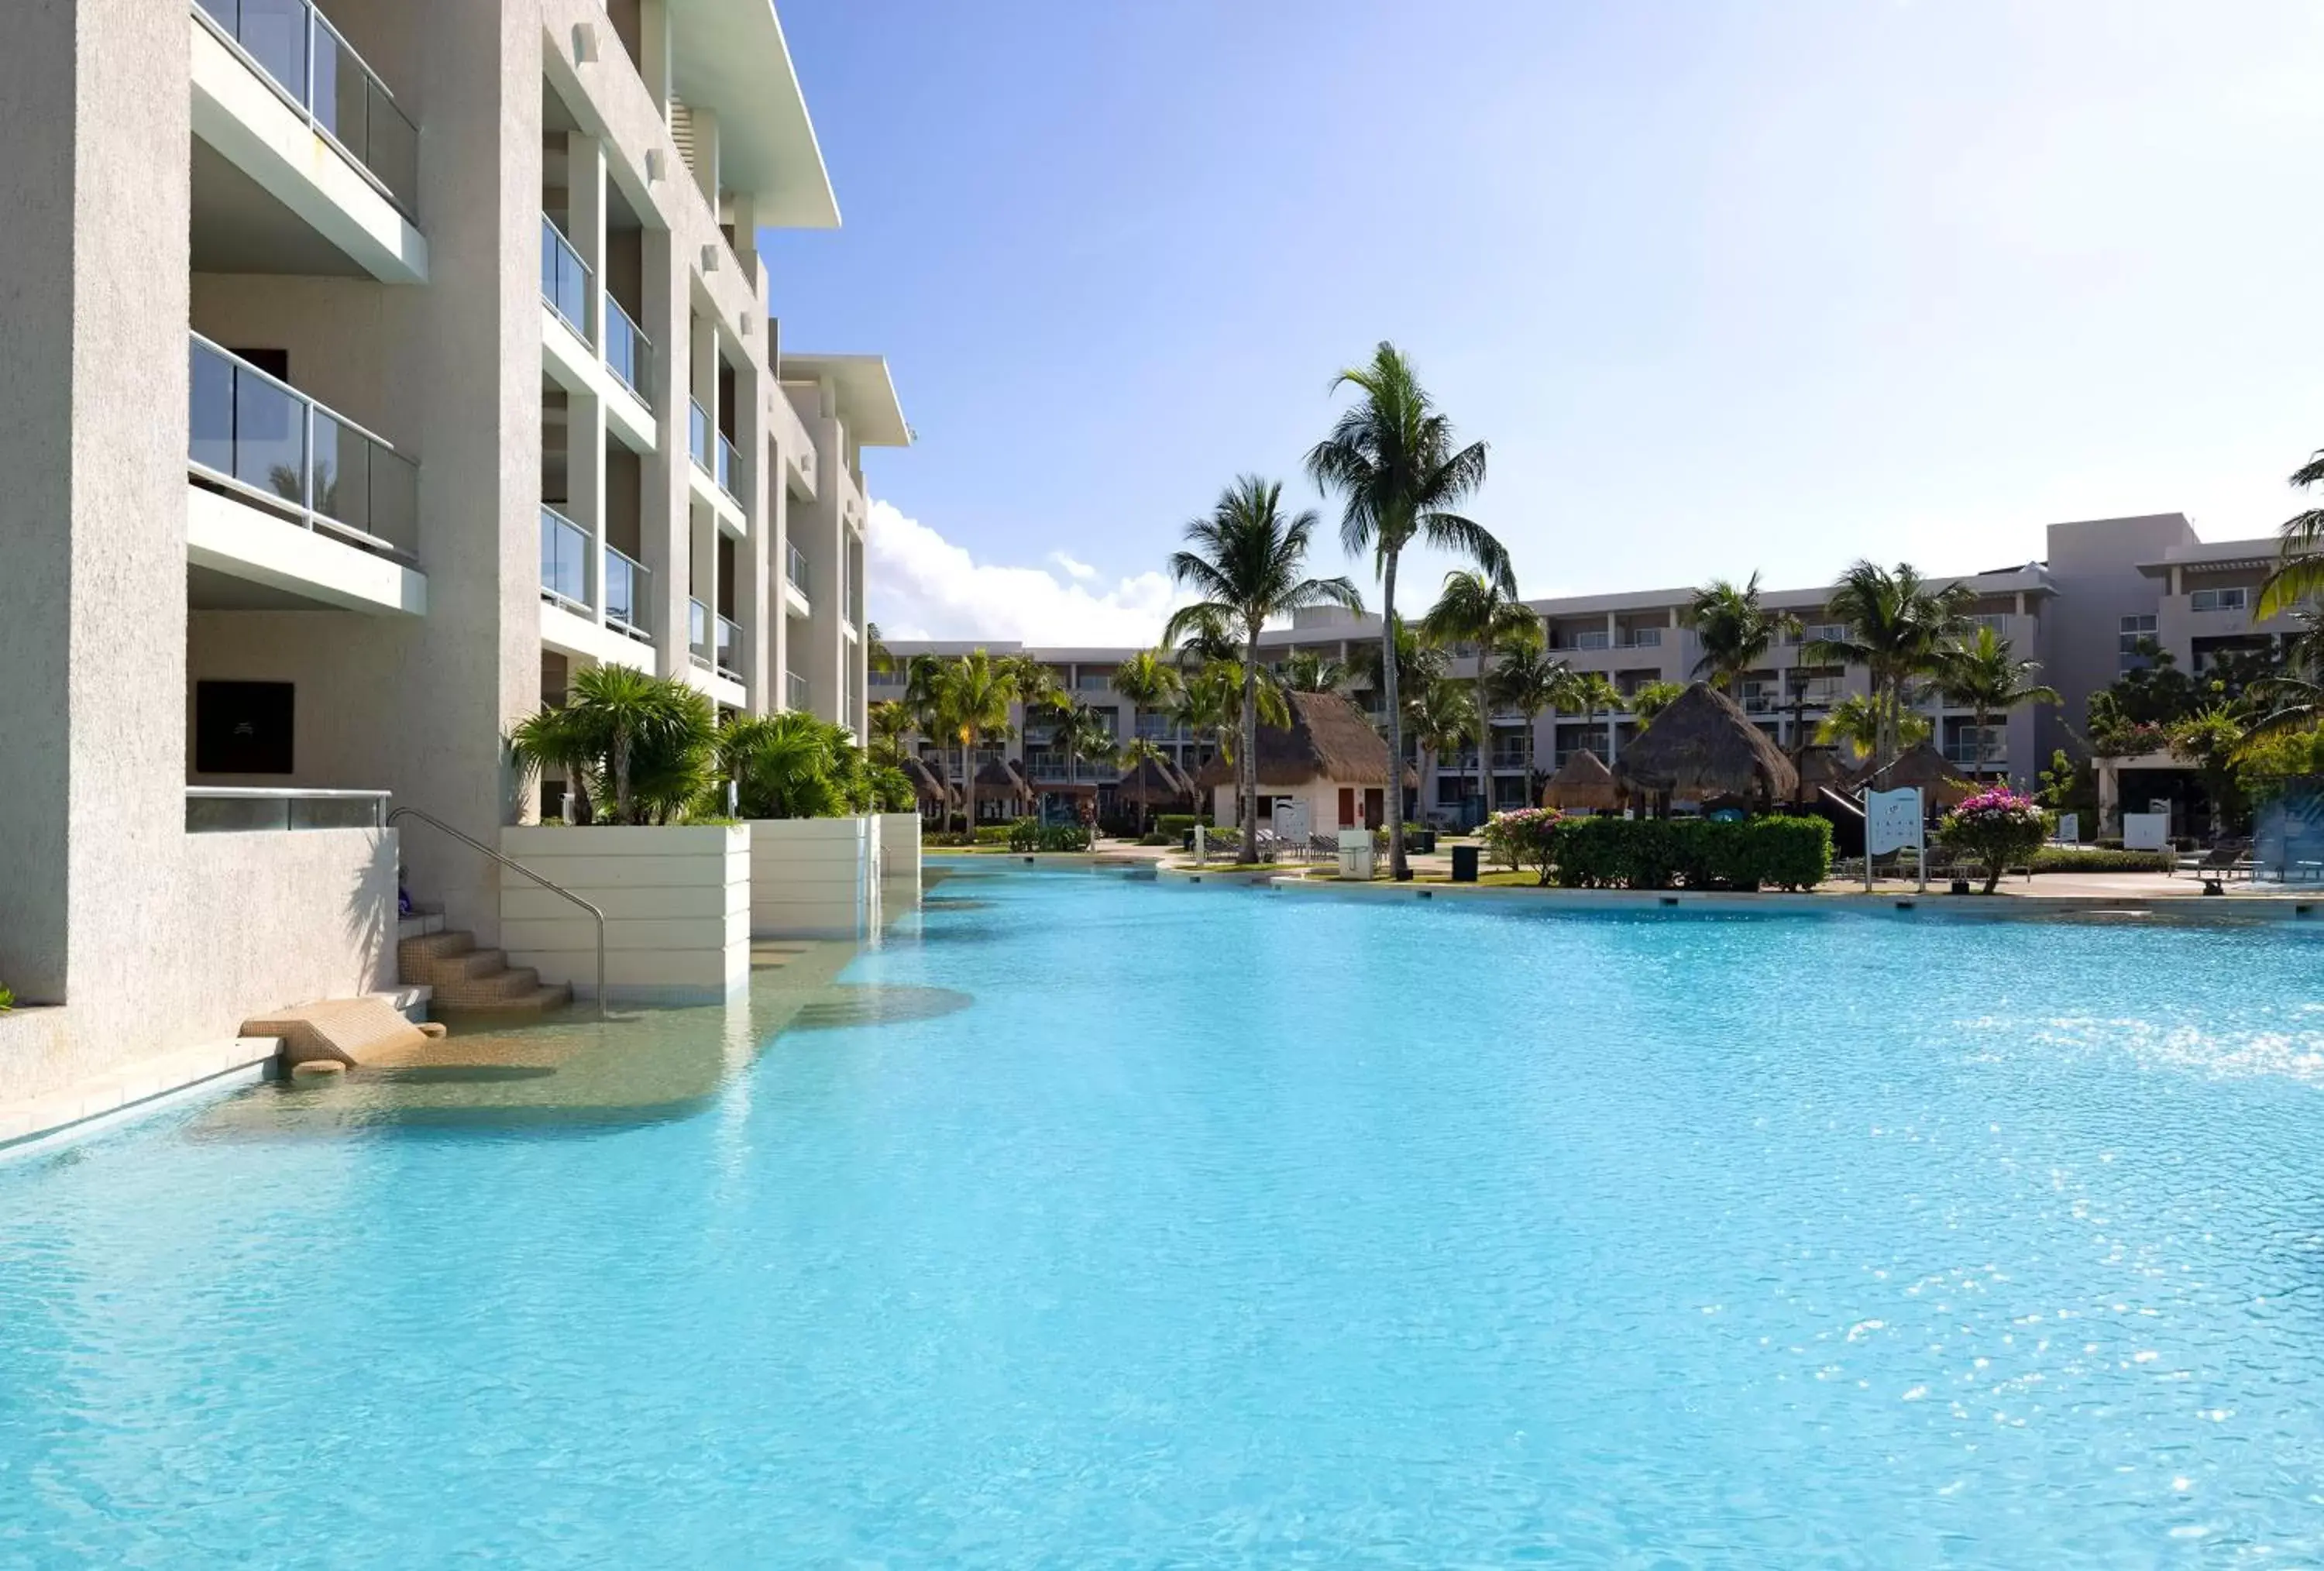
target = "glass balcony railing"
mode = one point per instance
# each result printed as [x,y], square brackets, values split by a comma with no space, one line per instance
[295,48]
[729,656]
[263,440]
[697,631]
[628,353]
[795,691]
[697,434]
[564,560]
[564,277]
[626,587]
[794,567]
[730,468]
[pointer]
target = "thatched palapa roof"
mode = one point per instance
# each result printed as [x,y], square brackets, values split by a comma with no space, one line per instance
[1153,782]
[1821,768]
[1704,746]
[1923,766]
[930,786]
[1583,782]
[1000,775]
[1329,739]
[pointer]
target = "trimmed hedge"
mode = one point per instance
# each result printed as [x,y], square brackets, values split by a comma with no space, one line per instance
[1031,834]
[1602,852]
[1178,826]
[2094,859]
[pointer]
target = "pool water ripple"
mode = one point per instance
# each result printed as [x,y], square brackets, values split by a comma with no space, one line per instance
[1114,1225]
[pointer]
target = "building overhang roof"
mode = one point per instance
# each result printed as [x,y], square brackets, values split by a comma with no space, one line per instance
[866,393]
[732,61]
[2228,556]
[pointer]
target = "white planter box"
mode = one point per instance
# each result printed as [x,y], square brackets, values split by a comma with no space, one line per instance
[813,878]
[900,857]
[676,903]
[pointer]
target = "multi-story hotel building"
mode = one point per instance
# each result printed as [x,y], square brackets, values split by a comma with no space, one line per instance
[372,366]
[2103,588]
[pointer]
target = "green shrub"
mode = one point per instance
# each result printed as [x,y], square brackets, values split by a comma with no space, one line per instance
[1032,835]
[1158,839]
[1997,828]
[7,1001]
[996,834]
[2094,859]
[1178,826]
[1605,853]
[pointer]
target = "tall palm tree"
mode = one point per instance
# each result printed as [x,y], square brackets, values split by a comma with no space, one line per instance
[1651,699]
[1132,755]
[1980,674]
[1898,627]
[1862,721]
[2301,575]
[1249,565]
[1586,694]
[1529,680]
[1304,670]
[1209,707]
[1149,680]
[1441,716]
[1735,631]
[973,694]
[891,722]
[1083,731]
[1392,460]
[1474,609]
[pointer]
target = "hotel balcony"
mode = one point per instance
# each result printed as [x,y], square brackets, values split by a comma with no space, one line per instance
[716,472]
[293,502]
[589,344]
[604,622]
[795,571]
[296,139]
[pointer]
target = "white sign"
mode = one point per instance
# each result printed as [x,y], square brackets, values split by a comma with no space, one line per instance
[2070,827]
[2145,831]
[1892,821]
[1292,819]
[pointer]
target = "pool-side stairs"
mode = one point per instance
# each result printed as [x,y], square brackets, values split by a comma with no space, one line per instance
[465,977]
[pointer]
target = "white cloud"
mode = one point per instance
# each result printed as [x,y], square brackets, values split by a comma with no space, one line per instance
[922,586]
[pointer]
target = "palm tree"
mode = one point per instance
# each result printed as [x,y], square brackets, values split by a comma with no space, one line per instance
[1652,699]
[2300,575]
[1586,693]
[972,697]
[1083,730]
[891,722]
[628,730]
[1898,627]
[1148,680]
[1472,608]
[1735,631]
[1980,674]
[784,766]
[1862,721]
[1442,717]
[1248,564]
[1304,670]
[1132,755]
[1209,706]
[1529,680]
[1392,460]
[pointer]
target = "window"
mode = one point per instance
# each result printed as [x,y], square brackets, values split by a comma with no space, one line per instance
[242,727]
[2236,599]
[2135,632]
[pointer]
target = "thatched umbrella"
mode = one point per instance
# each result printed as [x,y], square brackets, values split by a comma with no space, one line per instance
[1821,769]
[1941,784]
[1702,746]
[1328,739]
[1583,782]
[1153,783]
[930,786]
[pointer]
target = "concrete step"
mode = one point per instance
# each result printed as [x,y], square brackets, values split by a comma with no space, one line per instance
[534,998]
[417,952]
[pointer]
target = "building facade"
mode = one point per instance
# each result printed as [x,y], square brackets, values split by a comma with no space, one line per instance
[2084,610]
[375,366]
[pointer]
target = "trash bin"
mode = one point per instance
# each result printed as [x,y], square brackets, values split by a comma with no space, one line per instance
[1420,841]
[1464,863]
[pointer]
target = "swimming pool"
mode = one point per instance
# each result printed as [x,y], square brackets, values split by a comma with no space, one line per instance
[1123,1225]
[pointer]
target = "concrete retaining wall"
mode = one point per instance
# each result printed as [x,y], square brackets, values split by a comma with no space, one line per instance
[813,878]
[676,903]
[899,858]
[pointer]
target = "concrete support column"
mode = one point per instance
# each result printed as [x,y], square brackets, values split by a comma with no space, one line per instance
[757,602]
[585,487]
[705,127]
[666,521]
[654,50]
[585,165]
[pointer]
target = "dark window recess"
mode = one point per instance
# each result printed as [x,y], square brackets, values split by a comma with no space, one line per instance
[242,727]
[275,362]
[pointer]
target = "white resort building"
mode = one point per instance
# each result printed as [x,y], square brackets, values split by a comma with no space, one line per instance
[372,367]
[2101,589]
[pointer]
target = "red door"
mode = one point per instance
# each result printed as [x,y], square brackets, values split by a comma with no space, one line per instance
[1375,806]
[1347,807]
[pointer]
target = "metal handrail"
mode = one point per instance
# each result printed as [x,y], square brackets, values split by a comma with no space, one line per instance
[515,866]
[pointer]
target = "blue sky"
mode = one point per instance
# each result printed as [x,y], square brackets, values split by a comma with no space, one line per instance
[1760,285]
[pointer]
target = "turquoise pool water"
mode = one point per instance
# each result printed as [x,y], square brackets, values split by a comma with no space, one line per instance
[1226,1229]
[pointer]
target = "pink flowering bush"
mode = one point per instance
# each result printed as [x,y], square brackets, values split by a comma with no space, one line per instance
[1524,837]
[1994,828]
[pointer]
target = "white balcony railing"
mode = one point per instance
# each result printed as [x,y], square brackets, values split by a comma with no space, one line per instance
[564,278]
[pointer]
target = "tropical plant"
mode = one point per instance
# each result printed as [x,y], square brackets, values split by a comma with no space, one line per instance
[2212,741]
[7,1000]
[1898,626]
[1440,716]
[1981,674]
[1863,721]
[1734,630]
[971,699]
[1249,565]
[1392,460]
[1474,609]
[1590,694]
[649,742]
[1083,731]
[1133,755]
[1148,679]
[1306,671]
[1651,699]
[1530,680]
[785,765]
[2299,577]
[1526,837]
[1417,663]
[1997,828]
[891,722]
